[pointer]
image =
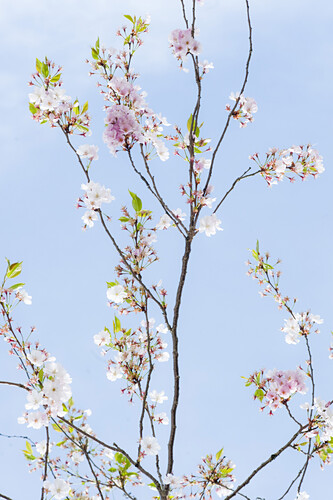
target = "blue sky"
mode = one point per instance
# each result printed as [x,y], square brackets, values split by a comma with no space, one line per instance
[227,330]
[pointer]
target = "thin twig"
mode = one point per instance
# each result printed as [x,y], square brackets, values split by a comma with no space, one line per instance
[15,384]
[93,472]
[291,484]
[266,462]
[113,447]
[247,67]
[241,177]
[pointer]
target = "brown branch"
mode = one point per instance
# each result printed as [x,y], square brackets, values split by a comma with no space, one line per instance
[175,354]
[45,461]
[132,272]
[266,462]
[114,447]
[15,384]
[241,177]
[93,472]
[4,496]
[184,13]
[291,484]
[237,100]
[154,190]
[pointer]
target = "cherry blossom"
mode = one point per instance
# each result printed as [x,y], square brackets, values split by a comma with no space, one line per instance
[158,397]
[88,151]
[59,488]
[116,294]
[302,496]
[23,296]
[150,445]
[209,224]
[164,223]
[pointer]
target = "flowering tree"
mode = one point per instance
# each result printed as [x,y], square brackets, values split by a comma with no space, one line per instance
[72,459]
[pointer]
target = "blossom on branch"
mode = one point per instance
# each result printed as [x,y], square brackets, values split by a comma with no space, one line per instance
[209,225]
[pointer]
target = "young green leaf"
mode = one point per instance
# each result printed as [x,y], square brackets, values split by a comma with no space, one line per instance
[136,202]
[129,18]
[55,78]
[85,107]
[38,66]
[32,108]
[14,270]
[16,286]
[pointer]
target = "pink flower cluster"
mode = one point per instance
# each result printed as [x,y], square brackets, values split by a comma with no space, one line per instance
[122,88]
[297,160]
[183,43]
[279,386]
[122,129]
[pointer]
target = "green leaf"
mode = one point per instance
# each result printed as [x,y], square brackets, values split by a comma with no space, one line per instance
[97,44]
[61,442]
[116,325]
[110,284]
[56,427]
[41,375]
[119,457]
[38,66]
[45,70]
[55,78]
[31,458]
[28,447]
[259,393]
[255,254]
[76,108]
[257,247]
[129,18]
[32,108]
[218,454]
[94,54]
[18,285]
[14,270]
[136,202]
[189,122]
[85,107]
[81,127]
[123,219]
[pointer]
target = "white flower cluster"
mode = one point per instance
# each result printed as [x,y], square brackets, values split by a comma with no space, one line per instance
[59,488]
[23,296]
[153,137]
[247,107]
[292,326]
[94,197]
[54,99]
[47,400]
[88,151]
[296,160]
[116,294]
[209,225]
[326,413]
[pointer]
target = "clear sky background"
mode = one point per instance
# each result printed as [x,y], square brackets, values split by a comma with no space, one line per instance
[226,329]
